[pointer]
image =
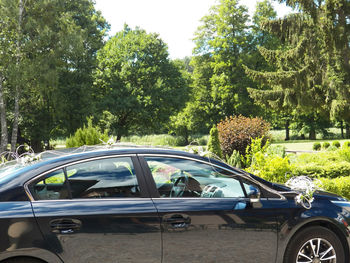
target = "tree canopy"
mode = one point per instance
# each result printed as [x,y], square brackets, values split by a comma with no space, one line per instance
[137,82]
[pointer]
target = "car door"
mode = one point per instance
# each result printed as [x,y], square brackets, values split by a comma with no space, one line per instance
[97,210]
[206,215]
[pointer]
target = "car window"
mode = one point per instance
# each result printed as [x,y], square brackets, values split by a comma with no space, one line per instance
[51,186]
[102,178]
[177,177]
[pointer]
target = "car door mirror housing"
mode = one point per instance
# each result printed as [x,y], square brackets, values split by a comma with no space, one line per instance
[254,196]
[253,192]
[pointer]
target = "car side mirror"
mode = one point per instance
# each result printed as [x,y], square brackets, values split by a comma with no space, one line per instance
[254,196]
[253,193]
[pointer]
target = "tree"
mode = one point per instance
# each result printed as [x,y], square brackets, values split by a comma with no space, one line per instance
[48,48]
[214,142]
[137,83]
[330,21]
[220,85]
[298,81]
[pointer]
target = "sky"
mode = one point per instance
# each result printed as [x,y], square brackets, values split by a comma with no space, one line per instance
[174,20]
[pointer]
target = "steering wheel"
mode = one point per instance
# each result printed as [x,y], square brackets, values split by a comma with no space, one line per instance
[179,185]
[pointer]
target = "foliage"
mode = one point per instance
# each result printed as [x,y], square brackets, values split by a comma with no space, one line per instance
[256,145]
[336,144]
[346,144]
[340,186]
[234,160]
[219,83]
[214,143]
[236,133]
[332,148]
[316,146]
[89,135]
[137,83]
[272,168]
[325,145]
[277,150]
[50,54]
[155,140]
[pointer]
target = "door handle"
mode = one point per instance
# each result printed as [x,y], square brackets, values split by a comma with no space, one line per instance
[65,225]
[177,221]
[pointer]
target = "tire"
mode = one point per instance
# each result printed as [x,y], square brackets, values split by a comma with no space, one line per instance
[322,239]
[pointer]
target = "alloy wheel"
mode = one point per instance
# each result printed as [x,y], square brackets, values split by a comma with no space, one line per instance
[316,250]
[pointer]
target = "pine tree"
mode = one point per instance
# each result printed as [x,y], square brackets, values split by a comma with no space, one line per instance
[297,84]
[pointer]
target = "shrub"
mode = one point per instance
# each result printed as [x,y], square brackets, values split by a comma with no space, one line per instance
[329,170]
[156,139]
[316,146]
[332,148]
[89,135]
[340,186]
[271,168]
[325,145]
[344,153]
[234,160]
[214,143]
[255,147]
[336,144]
[235,133]
[346,144]
[278,150]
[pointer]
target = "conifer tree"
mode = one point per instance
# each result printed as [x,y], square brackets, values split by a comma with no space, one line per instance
[297,83]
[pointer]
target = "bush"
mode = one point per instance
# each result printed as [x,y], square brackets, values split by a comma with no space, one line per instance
[340,186]
[159,139]
[277,150]
[234,160]
[214,143]
[271,168]
[235,133]
[325,145]
[346,144]
[316,146]
[336,144]
[256,146]
[330,170]
[86,136]
[332,148]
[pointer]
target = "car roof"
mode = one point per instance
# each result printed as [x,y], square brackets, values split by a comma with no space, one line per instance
[51,159]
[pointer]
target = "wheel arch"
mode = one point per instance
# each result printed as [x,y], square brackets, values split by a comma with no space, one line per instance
[36,254]
[326,224]
[23,259]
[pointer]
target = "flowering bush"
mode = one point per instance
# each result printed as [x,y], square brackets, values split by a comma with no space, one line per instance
[236,133]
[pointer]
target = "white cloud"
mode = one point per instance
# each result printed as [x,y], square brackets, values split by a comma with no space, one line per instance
[174,20]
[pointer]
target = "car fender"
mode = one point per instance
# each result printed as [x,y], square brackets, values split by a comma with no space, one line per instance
[287,232]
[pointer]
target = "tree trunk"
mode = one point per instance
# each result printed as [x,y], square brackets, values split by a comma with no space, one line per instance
[347,131]
[287,130]
[4,137]
[342,129]
[312,134]
[17,88]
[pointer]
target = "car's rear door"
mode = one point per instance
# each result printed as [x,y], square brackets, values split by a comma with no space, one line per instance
[97,210]
[205,215]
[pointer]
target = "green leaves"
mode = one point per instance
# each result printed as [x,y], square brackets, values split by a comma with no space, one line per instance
[137,82]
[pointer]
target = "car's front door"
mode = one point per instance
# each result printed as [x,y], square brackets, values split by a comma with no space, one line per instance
[98,211]
[206,215]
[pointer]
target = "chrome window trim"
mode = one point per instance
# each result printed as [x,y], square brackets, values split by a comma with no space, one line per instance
[93,199]
[218,166]
[30,196]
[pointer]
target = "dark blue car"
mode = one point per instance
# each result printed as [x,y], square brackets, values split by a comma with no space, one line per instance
[159,205]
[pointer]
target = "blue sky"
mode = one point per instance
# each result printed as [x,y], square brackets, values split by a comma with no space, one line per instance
[174,20]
